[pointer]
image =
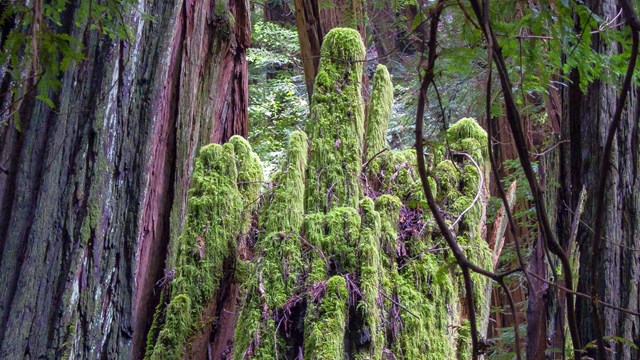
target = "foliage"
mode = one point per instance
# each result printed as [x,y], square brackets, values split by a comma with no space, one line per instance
[277,94]
[273,47]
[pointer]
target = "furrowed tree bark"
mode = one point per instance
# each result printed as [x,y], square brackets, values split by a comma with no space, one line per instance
[588,116]
[89,186]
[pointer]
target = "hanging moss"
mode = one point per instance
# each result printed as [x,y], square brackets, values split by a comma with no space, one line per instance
[448,177]
[470,180]
[464,341]
[314,231]
[281,223]
[337,124]
[214,221]
[379,112]
[389,208]
[328,320]
[339,244]
[284,209]
[427,286]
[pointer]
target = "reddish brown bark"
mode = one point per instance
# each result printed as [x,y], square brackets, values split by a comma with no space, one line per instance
[92,195]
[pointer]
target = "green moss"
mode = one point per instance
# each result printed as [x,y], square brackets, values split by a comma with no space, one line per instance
[284,210]
[464,341]
[461,135]
[177,326]
[250,178]
[90,221]
[339,244]
[281,222]
[314,231]
[427,287]
[214,221]
[370,281]
[254,335]
[470,180]
[327,323]
[395,172]
[336,124]
[448,177]
[389,208]
[279,252]
[379,112]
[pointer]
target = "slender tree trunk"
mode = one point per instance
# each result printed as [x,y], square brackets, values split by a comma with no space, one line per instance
[85,190]
[586,121]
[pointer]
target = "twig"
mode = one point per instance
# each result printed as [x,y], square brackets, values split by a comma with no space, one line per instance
[400,305]
[364,166]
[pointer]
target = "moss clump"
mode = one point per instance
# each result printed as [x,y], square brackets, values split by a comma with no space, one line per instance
[427,286]
[448,177]
[337,124]
[379,111]
[462,134]
[314,231]
[278,251]
[284,208]
[281,222]
[332,274]
[250,178]
[325,339]
[342,236]
[177,326]
[389,208]
[214,221]
[470,180]
[371,269]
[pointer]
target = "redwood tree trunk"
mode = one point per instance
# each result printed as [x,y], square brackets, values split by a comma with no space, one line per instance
[587,119]
[86,190]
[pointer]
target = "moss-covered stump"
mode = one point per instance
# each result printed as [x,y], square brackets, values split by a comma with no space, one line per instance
[337,124]
[221,199]
[335,262]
